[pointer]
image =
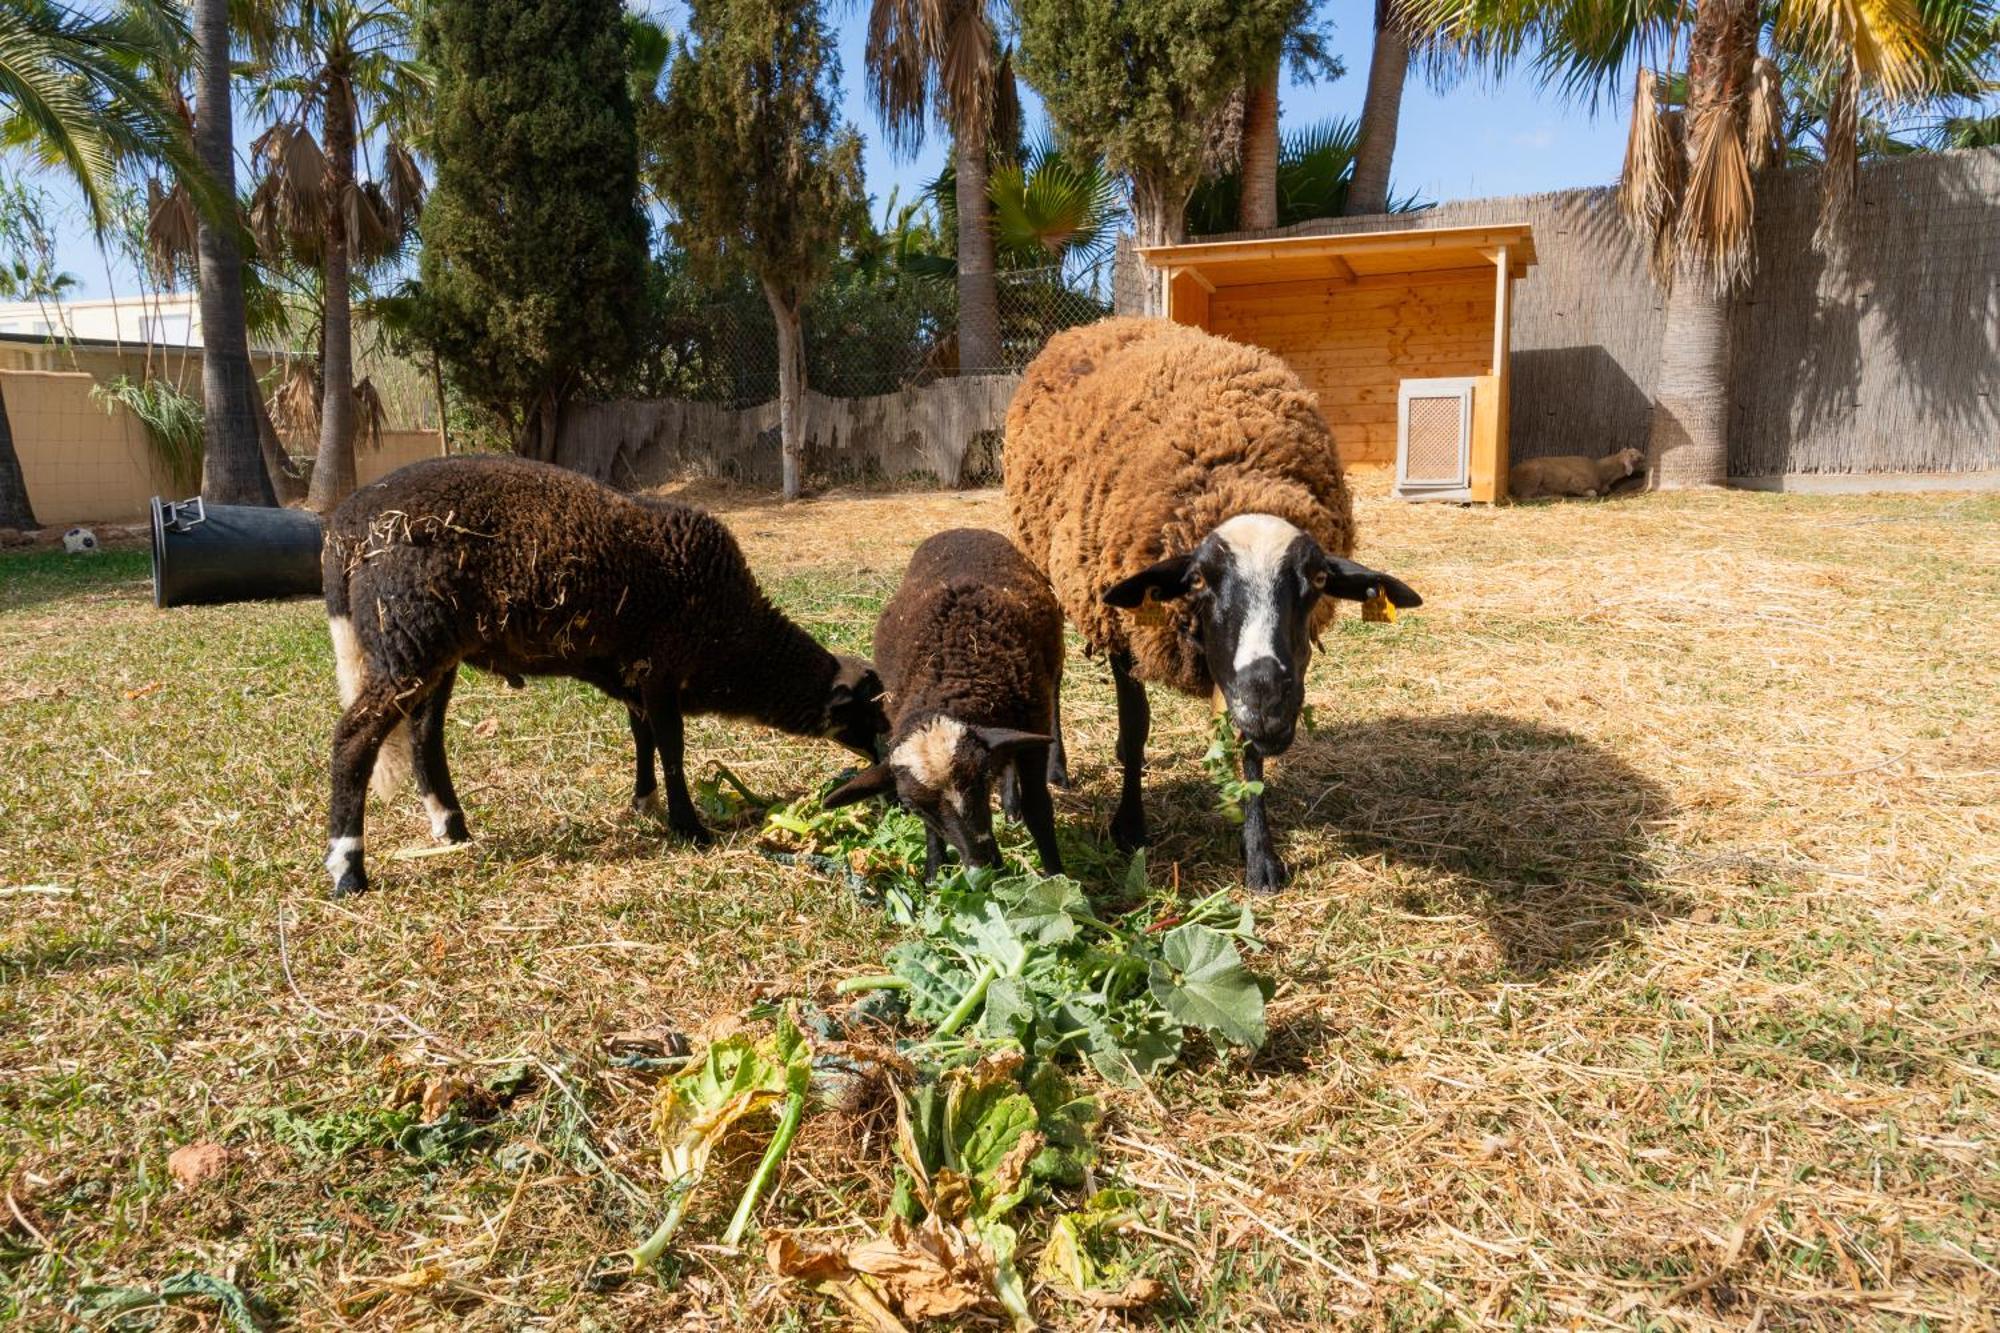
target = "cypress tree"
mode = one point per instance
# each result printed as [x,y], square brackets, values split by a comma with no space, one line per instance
[534,260]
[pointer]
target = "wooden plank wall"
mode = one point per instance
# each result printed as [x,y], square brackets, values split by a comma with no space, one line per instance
[1354,341]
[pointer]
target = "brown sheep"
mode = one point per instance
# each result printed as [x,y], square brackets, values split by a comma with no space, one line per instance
[1573,474]
[524,569]
[1155,468]
[970,649]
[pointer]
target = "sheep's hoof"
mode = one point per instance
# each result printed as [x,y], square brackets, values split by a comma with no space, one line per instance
[451,830]
[1267,874]
[1128,831]
[693,833]
[649,805]
[1059,775]
[350,884]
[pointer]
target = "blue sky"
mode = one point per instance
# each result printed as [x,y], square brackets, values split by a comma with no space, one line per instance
[1471,141]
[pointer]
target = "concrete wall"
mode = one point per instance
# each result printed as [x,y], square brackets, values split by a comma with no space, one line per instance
[948,430]
[84,465]
[81,464]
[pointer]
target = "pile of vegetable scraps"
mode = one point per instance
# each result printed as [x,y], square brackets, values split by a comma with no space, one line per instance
[1010,992]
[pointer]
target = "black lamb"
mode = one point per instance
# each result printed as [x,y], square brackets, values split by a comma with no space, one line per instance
[971,650]
[524,569]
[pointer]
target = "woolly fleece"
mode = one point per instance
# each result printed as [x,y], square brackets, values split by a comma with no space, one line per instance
[1129,440]
[974,633]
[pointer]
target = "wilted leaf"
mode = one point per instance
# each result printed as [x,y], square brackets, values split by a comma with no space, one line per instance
[697,1109]
[239,1310]
[930,1270]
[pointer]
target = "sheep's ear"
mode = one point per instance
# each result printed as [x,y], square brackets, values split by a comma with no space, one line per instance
[1358,583]
[855,679]
[1166,580]
[1003,741]
[874,780]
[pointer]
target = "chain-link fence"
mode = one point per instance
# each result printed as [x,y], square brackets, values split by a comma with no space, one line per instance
[865,333]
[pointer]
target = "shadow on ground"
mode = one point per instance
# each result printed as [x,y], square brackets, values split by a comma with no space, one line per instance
[1543,831]
[1540,831]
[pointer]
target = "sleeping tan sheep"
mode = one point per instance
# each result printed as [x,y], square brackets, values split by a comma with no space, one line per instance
[1574,474]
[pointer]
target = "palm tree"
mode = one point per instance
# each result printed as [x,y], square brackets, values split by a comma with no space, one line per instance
[345,66]
[941,57]
[233,466]
[1707,116]
[1381,112]
[75,92]
[1315,172]
[1304,49]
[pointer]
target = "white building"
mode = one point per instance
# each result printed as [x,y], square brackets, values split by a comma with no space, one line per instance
[171,319]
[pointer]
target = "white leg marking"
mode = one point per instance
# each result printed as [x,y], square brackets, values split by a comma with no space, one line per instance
[440,813]
[340,853]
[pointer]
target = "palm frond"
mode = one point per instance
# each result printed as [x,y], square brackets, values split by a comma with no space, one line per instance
[1764,128]
[1887,42]
[1649,186]
[1840,173]
[1720,201]
[172,228]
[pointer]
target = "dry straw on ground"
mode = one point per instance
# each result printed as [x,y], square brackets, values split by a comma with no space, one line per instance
[1640,966]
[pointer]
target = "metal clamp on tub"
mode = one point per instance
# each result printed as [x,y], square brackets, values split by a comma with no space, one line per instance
[177,515]
[231,553]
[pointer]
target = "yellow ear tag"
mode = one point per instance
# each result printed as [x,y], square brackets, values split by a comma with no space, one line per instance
[1379,608]
[1151,611]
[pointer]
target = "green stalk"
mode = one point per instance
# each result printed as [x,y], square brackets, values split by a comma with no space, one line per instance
[968,1006]
[656,1244]
[788,1126]
[884,981]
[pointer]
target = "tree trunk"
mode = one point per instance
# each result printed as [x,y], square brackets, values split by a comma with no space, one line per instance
[444,419]
[978,292]
[232,462]
[1688,444]
[1159,217]
[333,470]
[1381,113]
[15,511]
[791,384]
[278,466]
[1258,209]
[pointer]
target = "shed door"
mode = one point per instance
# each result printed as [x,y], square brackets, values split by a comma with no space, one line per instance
[1434,438]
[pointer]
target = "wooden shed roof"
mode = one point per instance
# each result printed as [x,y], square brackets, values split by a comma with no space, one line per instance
[1217,264]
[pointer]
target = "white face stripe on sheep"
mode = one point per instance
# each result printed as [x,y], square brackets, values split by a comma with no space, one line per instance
[1254,582]
[1259,548]
[927,753]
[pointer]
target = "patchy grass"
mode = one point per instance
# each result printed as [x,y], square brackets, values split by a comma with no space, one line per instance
[1640,968]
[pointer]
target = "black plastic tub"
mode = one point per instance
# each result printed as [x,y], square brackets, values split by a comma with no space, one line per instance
[232,553]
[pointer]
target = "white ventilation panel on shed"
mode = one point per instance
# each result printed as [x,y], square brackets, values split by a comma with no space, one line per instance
[1434,439]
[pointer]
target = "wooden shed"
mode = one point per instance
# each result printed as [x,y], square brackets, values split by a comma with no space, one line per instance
[1403,335]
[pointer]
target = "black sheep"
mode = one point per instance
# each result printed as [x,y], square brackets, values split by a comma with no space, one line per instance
[971,650]
[524,569]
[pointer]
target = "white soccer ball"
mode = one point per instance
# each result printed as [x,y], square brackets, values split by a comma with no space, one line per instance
[80,541]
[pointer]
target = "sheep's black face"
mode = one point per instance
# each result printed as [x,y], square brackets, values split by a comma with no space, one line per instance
[943,770]
[854,716]
[1253,584]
